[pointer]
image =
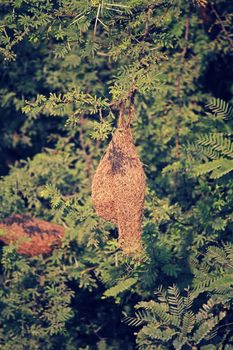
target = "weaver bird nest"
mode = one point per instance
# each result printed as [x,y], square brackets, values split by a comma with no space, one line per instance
[32,236]
[118,189]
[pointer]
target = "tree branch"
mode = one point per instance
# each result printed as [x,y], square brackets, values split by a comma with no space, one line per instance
[221,23]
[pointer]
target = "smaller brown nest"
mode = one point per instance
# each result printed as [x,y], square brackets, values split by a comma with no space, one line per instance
[32,236]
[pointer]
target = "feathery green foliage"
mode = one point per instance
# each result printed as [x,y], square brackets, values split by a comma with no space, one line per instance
[217,146]
[67,68]
[175,321]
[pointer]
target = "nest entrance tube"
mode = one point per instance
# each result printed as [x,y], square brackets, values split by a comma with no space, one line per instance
[118,188]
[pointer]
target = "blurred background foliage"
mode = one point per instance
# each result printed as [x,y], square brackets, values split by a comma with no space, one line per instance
[66,67]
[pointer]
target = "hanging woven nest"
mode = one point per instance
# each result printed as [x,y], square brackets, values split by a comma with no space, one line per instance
[118,188]
[32,236]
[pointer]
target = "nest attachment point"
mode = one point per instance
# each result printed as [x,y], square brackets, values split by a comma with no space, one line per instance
[32,236]
[118,189]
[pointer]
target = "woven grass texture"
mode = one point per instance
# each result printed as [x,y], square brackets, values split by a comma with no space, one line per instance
[118,189]
[32,236]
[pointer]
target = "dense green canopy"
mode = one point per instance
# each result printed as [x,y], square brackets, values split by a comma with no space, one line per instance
[67,68]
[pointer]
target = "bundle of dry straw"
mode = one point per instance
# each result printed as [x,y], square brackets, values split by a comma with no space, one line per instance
[32,236]
[118,188]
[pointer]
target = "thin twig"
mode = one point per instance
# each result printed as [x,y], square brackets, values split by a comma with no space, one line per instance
[225,325]
[131,109]
[186,37]
[184,51]
[149,12]
[221,23]
[96,21]
[88,269]
[87,157]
